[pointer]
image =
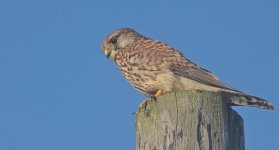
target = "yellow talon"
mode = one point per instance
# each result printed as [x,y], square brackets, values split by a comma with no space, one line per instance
[159,92]
[143,104]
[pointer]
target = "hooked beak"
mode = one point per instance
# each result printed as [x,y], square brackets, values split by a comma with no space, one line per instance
[107,51]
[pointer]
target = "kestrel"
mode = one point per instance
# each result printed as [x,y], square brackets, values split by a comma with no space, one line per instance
[154,68]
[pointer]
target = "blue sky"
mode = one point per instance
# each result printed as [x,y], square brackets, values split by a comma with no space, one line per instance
[58,91]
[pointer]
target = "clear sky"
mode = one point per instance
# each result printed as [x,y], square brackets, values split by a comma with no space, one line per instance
[59,92]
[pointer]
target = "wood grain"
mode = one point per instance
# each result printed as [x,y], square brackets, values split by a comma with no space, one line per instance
[189,120]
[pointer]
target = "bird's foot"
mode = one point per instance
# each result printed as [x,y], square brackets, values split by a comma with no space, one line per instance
[143,104]
[159,93]
[153,97]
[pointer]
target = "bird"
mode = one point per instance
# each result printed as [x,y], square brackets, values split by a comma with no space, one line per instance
[154,68]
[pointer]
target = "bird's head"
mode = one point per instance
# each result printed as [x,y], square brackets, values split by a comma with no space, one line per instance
[119,39]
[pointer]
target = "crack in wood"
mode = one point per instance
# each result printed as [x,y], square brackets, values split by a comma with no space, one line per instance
[203,131]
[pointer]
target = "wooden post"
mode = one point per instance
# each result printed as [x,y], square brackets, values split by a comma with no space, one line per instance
[189,120]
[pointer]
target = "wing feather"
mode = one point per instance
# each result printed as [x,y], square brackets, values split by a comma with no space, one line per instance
[181,66]
[200,75]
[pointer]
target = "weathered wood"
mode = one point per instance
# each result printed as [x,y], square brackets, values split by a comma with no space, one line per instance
[189,120]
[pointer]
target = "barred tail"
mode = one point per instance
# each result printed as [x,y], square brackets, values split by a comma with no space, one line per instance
[247,100]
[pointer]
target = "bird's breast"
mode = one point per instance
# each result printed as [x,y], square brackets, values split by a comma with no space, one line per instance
[145,74]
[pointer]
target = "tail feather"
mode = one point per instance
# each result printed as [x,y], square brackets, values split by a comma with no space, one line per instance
[247,100]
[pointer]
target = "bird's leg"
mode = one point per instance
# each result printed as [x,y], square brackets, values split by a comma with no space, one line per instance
[153,97]
[159,93]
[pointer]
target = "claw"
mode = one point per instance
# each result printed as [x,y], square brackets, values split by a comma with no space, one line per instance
[153,97]
[143,104]
[159,92]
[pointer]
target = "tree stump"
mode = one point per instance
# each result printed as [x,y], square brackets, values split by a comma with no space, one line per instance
[189,120]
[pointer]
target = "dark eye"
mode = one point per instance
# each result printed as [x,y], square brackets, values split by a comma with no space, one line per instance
[113,41]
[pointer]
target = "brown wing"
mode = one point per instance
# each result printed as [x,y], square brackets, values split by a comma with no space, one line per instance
[181,66]
[187,69]
[200,75]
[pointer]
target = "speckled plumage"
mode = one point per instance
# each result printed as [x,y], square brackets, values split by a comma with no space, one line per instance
[150,65]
